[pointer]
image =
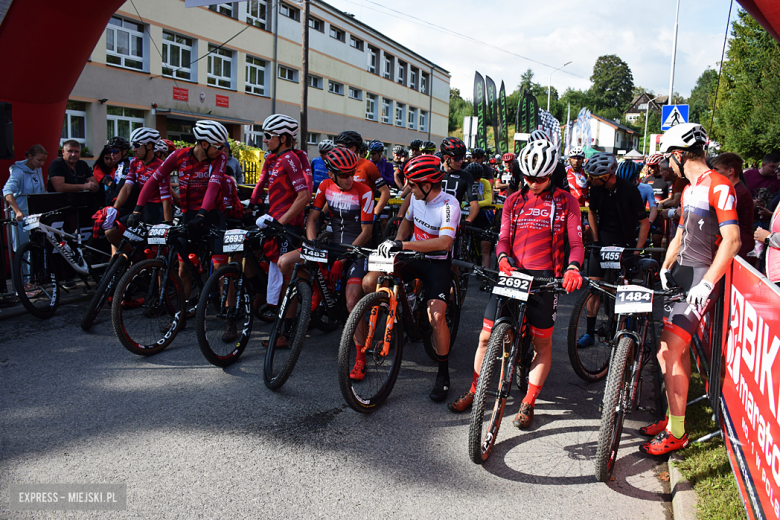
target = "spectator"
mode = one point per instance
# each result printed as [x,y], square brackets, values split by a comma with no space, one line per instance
[69,174]
[233,167]
[103,171]
[771,240]
[766,177]
[730,165]
[26,178]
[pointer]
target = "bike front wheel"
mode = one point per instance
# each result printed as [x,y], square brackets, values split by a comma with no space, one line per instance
[287,335]
[36,280]
[591,362]
[105,289]
[616,403]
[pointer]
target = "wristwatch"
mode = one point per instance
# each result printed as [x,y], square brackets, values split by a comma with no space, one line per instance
[766,240]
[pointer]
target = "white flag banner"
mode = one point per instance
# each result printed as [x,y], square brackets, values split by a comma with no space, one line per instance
[551,126]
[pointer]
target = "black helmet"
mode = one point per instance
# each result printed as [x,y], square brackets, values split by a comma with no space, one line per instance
[453,146]
[350,138]
[478,152]
[428,147]
[475,170]
[416,144]
[118,142]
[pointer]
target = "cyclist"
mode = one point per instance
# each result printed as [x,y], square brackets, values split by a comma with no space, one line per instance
[484,195]
[376,153]
[366,172]
[616,210]
[660,191]
[318,168]
[575,175]
[432,219]
[629,171]
[478,156]
[533,225]
[414,147]
[400,158]
[707,240]
[508,169]
[428,147]
[457,182]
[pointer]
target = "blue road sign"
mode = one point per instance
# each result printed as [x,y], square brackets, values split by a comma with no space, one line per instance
[673,115]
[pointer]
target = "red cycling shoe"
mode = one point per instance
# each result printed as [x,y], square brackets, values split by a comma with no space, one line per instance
[664,443]
[655,428]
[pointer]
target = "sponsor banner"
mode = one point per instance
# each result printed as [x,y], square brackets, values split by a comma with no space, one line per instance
[750,395]
[480,110]
[491,94]
[503,129]
[181,94]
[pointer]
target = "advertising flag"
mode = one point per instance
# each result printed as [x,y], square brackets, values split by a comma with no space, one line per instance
[492,102]
[480,110]
[502,126]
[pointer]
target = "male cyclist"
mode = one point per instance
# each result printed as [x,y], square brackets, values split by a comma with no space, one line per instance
[575,174]
[707,240]
[432,219]
[318,168]
[533,225]
[366,172]
[428,147]
[478,156]
[414,148]
[660,191]
[376,153]
[400,158]
[457,182]
[483,192]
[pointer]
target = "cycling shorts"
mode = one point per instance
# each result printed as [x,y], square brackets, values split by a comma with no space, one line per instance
[680,318]
[541,310]
[594,260]
[436,276]
[213,219]
[482,221]
[356,270]
[151,214]
[659,228]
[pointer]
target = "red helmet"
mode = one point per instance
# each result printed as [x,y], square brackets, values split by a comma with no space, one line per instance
[424,168]
[508,157]
[654,159]
[169,144]
[452,146]
[492,160]
[341,161]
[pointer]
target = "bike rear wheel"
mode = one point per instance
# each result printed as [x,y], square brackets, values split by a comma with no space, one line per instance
[489,403]
[38,289]
[105,289]
[591,363]
[616,402]
[280,359]
[367,395]
[391,228]
[148,312]
[224,324]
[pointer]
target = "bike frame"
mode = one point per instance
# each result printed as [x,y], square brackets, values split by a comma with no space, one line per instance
[50,234]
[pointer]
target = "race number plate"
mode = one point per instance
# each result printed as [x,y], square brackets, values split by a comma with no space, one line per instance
[380,263]
[517,286]
[133,235]
[158,234]
[31,222]
[233,240]
[610,257]
[633,299]
[312,254]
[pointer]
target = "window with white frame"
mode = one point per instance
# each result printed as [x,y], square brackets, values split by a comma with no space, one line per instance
[312,138]
[356,43]
[315,82]
[337,33]
[256,13]
[254,136]
[122,121]
[414,73]
[401,72]
[387,67]
[423,127]
[411,118]
[74,126]
[290,12]
[255,76]
[335,88]
[355,93]
[316,24]
[226,9]
[400,110]
[176,56]
[288,73]
[125,43]
[373,54]
[423,83]
[219,72]
[387,110]
[370,106]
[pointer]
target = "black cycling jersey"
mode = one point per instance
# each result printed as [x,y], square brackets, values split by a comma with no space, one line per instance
[459,184]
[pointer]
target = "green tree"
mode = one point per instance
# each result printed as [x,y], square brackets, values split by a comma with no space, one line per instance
[459,108]
[700,97]
[613,83]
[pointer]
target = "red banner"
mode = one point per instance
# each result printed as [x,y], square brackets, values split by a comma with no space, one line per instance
[181,94]
[750,400]
[223,101]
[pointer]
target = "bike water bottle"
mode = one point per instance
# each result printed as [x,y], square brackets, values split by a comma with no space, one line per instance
[194,259]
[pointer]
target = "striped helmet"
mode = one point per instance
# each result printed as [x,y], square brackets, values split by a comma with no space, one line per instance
[576,151]
[538,158]
[627,170]
[281,124]
[144,135]
[161,146]
[601,164]
[340,161]
[428,147]
[654,159]
[212,132]
[424,168]
[326,145]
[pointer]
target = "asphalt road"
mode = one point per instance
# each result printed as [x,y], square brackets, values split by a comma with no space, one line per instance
[191,440]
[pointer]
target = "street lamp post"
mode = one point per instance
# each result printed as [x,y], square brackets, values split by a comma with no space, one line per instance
[549,87]
[647,115]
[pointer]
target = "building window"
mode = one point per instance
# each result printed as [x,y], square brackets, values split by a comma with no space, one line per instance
[423,127]
[315,82]
[220,67]
[226,9]
[256,13]
[335,88]
[125,43]
[387,110]
[642,106]
[316,24]
[373,52]
[255,76]
[288,74]
[424,83]
[387,68]
[413,74]
[411,119]
[337,33]
[176,56]
[122,121]
[401,72]
[74,126]
[312,138]
[254,136]
[355,93]
[370,106]
[290,12]
[400,108]
[357,43]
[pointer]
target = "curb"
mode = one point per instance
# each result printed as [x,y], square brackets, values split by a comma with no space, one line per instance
[684,498]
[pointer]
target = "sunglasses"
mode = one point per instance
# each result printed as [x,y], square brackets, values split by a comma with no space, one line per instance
[114,150]
[458,158]
[137,145]
[600,177]
[220,147]
[344,175]
[269,135]
[535,180]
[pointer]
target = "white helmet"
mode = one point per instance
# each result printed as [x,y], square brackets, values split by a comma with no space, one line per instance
[538,134]
[326,145]
[538,159]
[212,132]
[281,124]
[144,135]
[683,136]
[161,146]
[576,151]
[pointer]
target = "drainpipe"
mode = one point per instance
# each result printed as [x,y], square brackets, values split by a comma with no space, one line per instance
[276,48]
[430,105]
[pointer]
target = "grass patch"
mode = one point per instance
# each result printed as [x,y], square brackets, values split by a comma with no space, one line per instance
[706,465]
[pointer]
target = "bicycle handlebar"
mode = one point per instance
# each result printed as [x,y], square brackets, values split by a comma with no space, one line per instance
[640,249]
[673,293]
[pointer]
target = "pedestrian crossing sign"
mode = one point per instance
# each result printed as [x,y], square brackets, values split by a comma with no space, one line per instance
[673,115]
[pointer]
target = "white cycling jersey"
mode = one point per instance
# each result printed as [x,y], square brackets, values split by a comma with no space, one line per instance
[434,218]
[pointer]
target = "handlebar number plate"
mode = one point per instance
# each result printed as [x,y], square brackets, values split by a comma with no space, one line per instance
[158,234]
[313,254]
[380,263]
[31,222]
[134,235]
[517,286]
[610,257]
[233,240]
[633,299]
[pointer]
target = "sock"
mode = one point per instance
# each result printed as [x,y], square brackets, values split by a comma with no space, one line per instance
[533,393]
[474,382]
[361,356]
[274,287]
[676,425]
[591,327]
[444,369]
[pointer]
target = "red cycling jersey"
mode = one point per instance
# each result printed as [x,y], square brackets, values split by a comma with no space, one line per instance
[578,184]
[285,178]
[141,173]
[200,182]
[306,165]
[349,210]
[367,173]
[532,230]
[230,204]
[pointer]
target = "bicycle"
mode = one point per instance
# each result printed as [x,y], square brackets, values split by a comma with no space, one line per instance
[508,357]
[591,363]
[36,275]
[385,327]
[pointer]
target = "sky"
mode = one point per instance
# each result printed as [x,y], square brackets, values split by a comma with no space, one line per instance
[551,33]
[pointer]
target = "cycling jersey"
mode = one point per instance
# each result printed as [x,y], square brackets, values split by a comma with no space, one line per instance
[459,184]
[230,204]
[319,172]
[349,210]
[659,185]
[121,170]
[439,216]
[533,227]
[707,205]
[578,184]
[483,193]
[285,178]
[200,182]
[368,174]
[304,158]
[648,196]
[140,172]
[268,161]
[385,169]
